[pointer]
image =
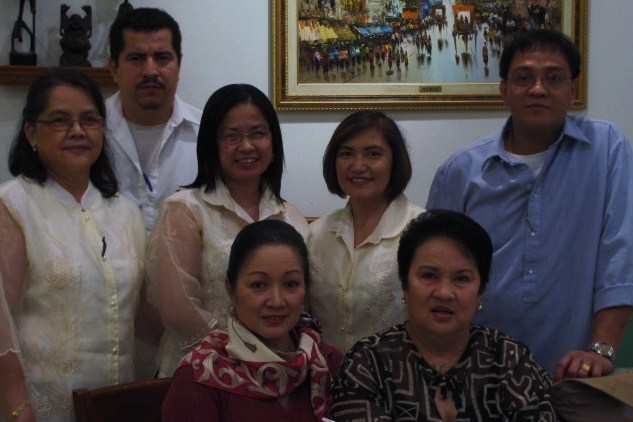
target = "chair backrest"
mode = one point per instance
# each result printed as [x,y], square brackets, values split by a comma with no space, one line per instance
[135,401]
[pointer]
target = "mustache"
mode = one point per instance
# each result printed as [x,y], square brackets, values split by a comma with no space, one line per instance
[151,80]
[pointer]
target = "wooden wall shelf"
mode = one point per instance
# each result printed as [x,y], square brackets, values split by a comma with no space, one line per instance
[24,75]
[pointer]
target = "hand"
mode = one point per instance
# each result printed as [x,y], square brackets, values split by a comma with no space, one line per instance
[582,364]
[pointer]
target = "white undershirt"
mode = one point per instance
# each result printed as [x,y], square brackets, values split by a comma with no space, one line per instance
[148,140]
[533,161]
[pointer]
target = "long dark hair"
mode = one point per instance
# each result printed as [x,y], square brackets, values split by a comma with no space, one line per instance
[208,149]
[24,161]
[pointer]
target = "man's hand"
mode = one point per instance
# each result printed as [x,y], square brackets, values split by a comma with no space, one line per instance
[582,364]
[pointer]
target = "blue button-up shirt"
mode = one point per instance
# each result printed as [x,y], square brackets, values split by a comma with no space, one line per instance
[563,239]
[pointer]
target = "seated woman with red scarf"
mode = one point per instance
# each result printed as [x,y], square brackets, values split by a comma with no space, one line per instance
[269,364]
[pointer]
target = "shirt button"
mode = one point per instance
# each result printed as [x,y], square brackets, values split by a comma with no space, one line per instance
[530,272]
[115,350]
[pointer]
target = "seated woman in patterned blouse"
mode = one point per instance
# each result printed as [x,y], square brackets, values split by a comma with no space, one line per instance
[437,366]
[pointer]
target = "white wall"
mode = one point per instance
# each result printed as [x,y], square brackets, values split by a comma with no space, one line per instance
[226,41]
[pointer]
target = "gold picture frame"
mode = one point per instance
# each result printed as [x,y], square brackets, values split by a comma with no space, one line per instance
[459,80]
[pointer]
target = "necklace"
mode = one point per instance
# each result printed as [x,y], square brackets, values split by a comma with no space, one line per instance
[448,363]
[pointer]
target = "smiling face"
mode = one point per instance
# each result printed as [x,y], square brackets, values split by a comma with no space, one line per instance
[443,292]
[147,76]
[363,166]
[537,108]
[67,154]
[243,162]
[269,294]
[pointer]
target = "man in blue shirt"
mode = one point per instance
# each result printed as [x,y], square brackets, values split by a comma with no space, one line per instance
[555,192]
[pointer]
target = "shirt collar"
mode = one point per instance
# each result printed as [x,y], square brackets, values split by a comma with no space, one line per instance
[89,198]
[391,223]
[221,197]
[181,113]
[497,151]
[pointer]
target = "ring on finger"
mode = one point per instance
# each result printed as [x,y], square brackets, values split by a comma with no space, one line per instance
[585,366]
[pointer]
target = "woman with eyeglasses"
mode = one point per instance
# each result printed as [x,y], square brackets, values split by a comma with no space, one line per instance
[240,165]
[71,255]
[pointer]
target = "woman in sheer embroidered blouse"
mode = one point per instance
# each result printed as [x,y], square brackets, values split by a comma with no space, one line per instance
[353,249]
[240,165]
[71,255]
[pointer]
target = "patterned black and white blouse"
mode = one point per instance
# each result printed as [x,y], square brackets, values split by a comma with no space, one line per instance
[385,378]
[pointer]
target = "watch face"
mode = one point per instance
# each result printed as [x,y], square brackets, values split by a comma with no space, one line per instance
[603,349]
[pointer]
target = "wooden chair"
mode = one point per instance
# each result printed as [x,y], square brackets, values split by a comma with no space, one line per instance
[135,401]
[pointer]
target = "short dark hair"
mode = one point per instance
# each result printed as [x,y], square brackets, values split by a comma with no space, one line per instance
[143,19]
[208,148]
[260,233]
[360,122]
[541,39]
[24,161]
[473,238]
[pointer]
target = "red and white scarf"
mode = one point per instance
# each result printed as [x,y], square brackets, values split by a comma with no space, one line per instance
[236,361]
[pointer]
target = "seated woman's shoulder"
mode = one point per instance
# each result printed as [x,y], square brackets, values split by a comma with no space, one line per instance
[497,342]
[390,340]
[333,357]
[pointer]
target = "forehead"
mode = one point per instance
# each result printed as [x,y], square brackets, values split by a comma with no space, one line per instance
[243,113]
[68,98]
[546,59]
[367,138]
[275,257]
[142,40]
[441,245]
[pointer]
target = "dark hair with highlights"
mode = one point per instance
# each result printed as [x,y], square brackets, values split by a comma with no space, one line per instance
[24,161]
[355,124]
[262,233]
[466,232]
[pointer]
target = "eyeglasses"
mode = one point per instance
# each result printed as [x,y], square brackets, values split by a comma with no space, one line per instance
[64,124]
[234,137]
[551,81]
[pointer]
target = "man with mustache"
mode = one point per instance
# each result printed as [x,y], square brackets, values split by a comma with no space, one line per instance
[555,193]
[152,131]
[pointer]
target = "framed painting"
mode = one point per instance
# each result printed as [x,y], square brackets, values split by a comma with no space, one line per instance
[406,54]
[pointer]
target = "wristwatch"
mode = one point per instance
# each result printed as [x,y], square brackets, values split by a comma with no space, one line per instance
[603,349]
